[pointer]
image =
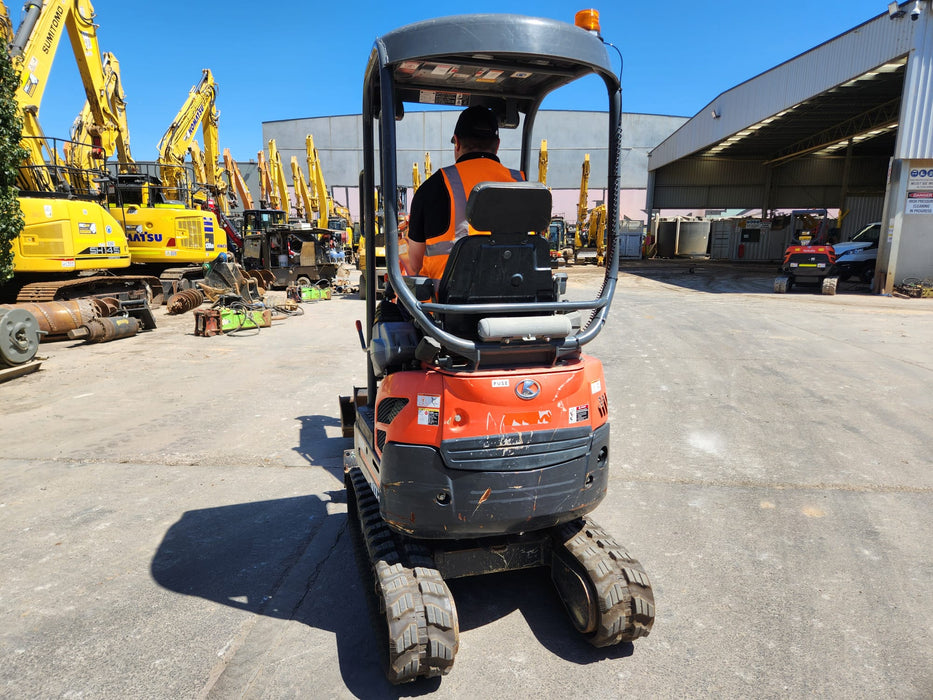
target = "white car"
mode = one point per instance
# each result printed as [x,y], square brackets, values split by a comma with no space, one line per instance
[857,256]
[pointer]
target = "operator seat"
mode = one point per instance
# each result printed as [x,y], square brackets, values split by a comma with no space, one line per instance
[506,266]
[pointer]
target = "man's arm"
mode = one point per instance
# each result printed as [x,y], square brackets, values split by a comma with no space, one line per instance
[430,214]
[415,256]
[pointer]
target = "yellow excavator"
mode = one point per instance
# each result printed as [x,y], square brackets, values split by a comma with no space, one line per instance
[589,242]
[170,231]
[68,230]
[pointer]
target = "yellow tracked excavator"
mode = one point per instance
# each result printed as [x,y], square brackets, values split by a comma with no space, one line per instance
[69,234]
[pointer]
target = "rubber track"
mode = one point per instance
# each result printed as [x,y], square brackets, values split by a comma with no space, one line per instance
[83,286]
[622,589]
[419,610]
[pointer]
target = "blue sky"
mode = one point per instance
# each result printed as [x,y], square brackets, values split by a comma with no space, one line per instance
[288,60]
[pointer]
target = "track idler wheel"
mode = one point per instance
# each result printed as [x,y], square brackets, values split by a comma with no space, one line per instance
[606,592]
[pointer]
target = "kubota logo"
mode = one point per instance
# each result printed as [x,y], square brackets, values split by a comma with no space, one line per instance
[527,389]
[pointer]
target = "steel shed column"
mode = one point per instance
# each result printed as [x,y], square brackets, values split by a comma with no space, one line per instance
[905,248]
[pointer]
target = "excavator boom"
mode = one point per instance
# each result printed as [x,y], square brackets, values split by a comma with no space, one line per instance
[304,205]
[542,163]
[277,172]
[199,109]
[582,203]
[237,181]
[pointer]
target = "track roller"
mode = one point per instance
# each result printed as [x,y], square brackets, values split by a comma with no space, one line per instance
[829,285]
[419,611]
[607,593]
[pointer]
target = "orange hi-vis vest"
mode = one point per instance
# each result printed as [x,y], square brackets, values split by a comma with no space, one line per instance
[460,179]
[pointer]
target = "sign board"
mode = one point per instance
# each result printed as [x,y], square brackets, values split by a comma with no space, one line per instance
[919,202]
[920,179]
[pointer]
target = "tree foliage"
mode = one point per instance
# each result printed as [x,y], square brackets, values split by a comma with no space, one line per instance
[11,155]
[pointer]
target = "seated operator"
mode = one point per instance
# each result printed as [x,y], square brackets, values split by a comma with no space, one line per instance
[438,209]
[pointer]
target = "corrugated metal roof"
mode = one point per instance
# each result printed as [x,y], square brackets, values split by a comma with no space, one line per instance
[836,83]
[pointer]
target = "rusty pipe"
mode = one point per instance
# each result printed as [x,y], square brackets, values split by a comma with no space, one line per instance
[56,318]
[105,329]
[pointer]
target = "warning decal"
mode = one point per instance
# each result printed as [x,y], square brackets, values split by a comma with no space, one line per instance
[579,414]
[429,401]
[428,416]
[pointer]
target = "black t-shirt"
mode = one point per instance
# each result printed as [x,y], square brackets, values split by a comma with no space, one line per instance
[430,207]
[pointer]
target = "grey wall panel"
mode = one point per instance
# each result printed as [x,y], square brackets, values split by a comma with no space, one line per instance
[570,135]
[860,212]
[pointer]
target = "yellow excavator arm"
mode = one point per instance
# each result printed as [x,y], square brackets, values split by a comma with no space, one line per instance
[199,109]
[197,161]
[32,52]
[6,25]
[267,196]
[237,181]
[304,204]
[277,172]
[112,136]
[323,206]
[582,203]
[542,163]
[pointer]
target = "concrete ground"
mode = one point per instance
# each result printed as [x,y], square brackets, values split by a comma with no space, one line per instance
[173,522]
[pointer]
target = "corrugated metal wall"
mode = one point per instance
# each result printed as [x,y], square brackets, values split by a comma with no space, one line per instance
[860,211]
[915,130]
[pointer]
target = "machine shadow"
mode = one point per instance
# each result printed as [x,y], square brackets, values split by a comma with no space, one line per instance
[290,559]
[317,448]
[286,559]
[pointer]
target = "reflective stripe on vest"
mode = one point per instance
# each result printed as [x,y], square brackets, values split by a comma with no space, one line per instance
[489,171]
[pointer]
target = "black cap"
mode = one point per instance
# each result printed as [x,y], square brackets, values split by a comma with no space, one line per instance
[477,122]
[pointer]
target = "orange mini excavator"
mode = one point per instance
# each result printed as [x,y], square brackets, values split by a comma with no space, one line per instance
[481,440]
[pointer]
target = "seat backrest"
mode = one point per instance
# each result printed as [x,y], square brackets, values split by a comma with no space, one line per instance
[508,265]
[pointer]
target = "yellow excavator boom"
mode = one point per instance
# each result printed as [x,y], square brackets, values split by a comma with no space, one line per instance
[268,199]
[325,206]
[583,202]
[277,171]
[237,181]
[542,163]
[199,109]
[113,133]
[305,206]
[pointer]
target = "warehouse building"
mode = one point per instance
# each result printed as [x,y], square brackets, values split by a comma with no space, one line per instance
[843,126]
[570,135]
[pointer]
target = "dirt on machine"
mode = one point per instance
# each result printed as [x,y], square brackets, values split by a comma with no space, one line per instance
[481,436]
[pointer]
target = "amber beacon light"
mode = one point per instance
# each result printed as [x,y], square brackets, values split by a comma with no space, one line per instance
[588,20]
